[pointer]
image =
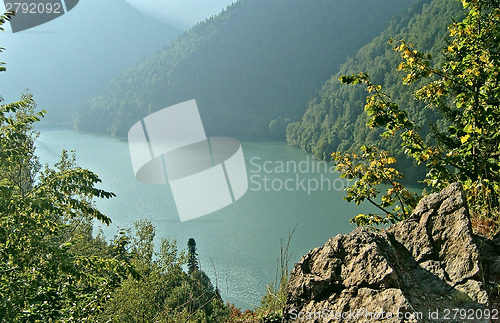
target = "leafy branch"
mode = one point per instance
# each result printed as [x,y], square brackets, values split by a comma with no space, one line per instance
[370,170]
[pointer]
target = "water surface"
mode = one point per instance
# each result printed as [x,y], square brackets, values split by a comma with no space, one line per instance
[239,245]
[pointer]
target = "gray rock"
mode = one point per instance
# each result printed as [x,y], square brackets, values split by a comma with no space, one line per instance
[414,270]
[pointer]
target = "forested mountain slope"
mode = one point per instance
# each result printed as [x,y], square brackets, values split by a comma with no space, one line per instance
[70,59]
[250,68]
[335,119]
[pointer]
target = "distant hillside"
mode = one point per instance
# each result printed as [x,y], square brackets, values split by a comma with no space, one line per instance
[70,59]
[252,68]
[335,119]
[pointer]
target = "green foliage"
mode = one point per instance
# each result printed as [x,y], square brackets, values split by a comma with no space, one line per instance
[192,256]
[256,62]
[3,19]
[46,273]
[465,90]
[164,292]
[273,302]
[370,170]
[47,270]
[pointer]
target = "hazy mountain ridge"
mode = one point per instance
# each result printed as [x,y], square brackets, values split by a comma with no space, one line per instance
[256,62]
[335,119]
[70,59]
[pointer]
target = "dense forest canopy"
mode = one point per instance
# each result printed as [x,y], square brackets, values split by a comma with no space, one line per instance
[252,68]
[335,119]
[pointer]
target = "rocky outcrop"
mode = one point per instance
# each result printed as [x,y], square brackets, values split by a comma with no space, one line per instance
[428,268]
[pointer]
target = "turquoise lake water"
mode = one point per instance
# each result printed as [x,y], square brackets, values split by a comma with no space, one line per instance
[239,245]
